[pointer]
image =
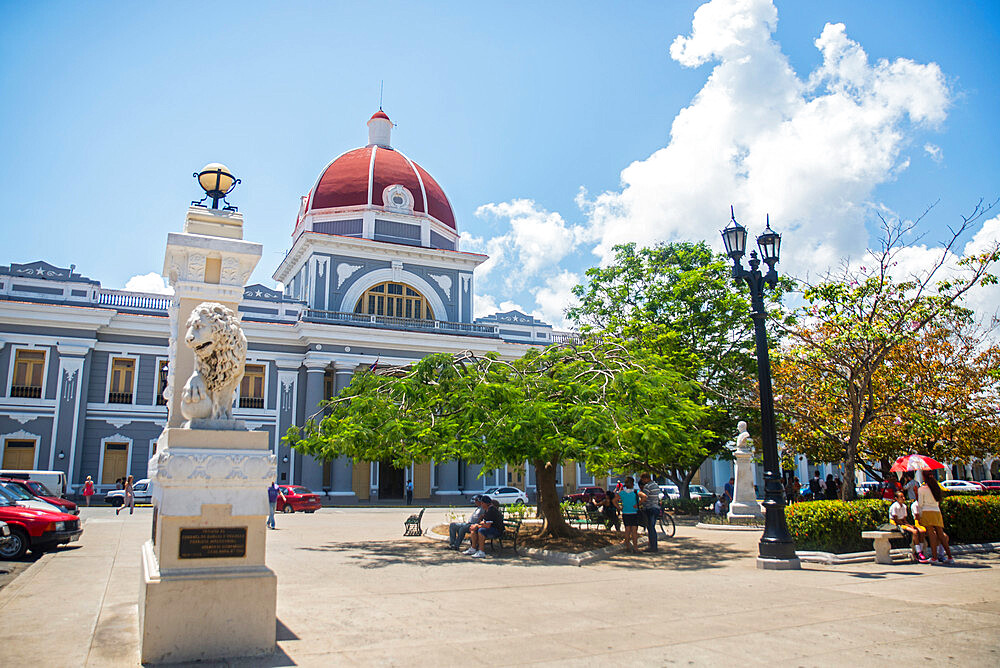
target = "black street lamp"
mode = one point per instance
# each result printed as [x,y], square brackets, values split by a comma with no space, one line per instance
[777,549]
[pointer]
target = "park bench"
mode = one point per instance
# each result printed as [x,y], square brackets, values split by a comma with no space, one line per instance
[511,527]
[881,542]
[585,519]
[412,525]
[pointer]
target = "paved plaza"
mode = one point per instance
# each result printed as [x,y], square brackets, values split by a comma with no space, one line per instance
[352,591]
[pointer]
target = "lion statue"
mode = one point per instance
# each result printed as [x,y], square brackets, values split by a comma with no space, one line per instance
[220,353]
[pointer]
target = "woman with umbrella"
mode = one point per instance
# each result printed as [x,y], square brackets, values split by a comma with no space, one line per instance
[928,501]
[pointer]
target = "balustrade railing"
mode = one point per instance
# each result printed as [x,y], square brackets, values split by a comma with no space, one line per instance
[392,322]
[119,397]
[136,300]
[26,391]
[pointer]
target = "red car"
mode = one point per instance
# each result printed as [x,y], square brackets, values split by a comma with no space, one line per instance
[585,494]
[297,499]
[993,485]
[35,530]
[39,490]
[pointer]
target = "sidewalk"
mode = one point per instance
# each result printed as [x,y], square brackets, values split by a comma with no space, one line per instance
[352,591]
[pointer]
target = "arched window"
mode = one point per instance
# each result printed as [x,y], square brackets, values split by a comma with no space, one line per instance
[394,299]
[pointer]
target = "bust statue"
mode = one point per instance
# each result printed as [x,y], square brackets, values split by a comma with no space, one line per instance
[220,352]
[744,443]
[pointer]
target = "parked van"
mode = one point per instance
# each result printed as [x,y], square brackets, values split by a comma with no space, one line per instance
[54,480]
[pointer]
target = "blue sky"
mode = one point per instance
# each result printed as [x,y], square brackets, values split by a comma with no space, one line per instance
[514,108]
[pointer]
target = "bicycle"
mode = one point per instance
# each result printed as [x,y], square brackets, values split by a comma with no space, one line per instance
[667,524]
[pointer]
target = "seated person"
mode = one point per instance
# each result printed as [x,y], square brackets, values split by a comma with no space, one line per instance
[592,504]
[490,526]
[458,530]
[610,510]
[897,517]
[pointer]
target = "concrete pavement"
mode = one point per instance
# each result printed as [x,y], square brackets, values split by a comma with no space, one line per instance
[352,591]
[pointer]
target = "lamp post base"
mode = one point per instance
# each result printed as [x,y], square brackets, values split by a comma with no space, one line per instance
[779,564]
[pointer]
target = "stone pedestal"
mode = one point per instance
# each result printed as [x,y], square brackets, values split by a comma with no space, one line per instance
[206,592]
[745,504]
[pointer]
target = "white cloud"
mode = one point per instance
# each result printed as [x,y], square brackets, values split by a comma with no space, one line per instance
[934,151]
[483,305]
[151,282]
[537,239]
[808,151]
[555,297]
[985,299]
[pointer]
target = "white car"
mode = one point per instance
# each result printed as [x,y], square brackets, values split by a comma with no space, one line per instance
[506,495]
[140,490]
[16,494]
[669,492]
[961,486]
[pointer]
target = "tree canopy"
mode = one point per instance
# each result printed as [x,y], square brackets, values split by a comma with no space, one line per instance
[867,347]
[678,301]
[597,404]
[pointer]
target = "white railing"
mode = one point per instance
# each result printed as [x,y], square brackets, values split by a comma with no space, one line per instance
[136,300]
[392,322]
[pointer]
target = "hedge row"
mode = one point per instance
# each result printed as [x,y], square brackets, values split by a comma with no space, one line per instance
[836,526]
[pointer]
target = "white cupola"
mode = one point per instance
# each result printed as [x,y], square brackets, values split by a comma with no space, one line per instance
[379,130]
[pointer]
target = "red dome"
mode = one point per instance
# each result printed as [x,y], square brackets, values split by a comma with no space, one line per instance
[353,180]
[380,114]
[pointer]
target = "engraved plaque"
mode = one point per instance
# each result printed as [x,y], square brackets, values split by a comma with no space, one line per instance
[213,543]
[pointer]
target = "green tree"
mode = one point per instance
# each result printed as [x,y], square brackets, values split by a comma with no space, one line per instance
[588,404]
[851,358]
[678,302]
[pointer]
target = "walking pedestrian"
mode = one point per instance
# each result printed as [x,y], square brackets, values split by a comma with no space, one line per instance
[650,508]
[273,494]
[88,489]
[929,500]
[409,492]
[129,498]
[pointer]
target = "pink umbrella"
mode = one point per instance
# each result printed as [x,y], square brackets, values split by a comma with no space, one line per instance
[915,463]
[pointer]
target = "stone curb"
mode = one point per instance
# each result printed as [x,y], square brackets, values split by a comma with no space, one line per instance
[833,559]
[11,590]
[726,527]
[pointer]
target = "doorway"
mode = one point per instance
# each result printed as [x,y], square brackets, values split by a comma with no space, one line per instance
[390,481]
[115,462]
[19,455]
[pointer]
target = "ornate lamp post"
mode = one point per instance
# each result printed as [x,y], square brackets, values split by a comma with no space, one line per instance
[217,182]
[777,550]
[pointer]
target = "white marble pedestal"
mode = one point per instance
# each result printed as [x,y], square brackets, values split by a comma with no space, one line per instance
[745,504]
[206,592]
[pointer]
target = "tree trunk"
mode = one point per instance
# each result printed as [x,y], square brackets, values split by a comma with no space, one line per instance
[850,464]
[553,522]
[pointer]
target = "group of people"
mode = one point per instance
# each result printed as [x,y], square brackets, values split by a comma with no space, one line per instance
[634,506]
[485,523]
[928,524]
[639,506]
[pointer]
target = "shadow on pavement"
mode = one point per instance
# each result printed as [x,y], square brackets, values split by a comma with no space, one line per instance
[674,554]
[424,552]
[680,554]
